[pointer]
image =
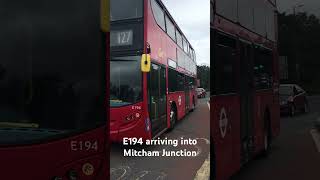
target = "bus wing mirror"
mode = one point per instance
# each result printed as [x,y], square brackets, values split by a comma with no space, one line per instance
[104,15]
[145,63]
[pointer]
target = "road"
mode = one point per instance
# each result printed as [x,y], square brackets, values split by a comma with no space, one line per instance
[195,125]
[294,153]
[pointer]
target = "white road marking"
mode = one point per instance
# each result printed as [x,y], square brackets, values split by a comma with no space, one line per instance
[162,176]
[208,105]
[204,172]
[198,150]
[122,171]
[143,173]
[316,138]
[204,139]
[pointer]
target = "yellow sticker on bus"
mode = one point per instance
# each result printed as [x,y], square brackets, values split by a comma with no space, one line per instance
[105,15]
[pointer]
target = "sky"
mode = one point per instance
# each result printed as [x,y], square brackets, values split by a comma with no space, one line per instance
[310,6]
[193,18]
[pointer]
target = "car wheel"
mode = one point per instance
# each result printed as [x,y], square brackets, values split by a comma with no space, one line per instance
[173,117]
[292,110]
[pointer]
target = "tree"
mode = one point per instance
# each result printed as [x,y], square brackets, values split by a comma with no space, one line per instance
[203,72]
[299,40]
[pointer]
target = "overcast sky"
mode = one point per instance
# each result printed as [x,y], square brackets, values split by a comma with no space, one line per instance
[310,6]
[193,18]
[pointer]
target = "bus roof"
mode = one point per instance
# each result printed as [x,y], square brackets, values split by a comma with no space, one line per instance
[175,23]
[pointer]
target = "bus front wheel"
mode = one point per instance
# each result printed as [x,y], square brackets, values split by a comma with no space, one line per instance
[173,117]
[193,105]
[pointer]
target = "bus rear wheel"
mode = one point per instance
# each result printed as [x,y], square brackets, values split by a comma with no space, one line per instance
[173,117]
[306,107]
[266,136]
[193,105]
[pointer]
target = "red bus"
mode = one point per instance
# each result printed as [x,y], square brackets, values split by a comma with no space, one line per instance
[53,59]
[145,104]
[244,99]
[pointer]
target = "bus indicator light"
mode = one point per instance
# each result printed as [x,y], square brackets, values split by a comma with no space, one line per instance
[145,63]
[129,118]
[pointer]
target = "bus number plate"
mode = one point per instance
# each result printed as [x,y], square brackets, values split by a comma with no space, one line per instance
[84,145]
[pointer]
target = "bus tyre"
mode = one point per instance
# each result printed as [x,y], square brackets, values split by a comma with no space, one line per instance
[306,107]
[173,117]
[266,137]
[266,144]
[193,105]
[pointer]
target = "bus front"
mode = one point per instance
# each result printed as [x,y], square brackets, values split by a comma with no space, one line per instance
[128,108]
[52,88]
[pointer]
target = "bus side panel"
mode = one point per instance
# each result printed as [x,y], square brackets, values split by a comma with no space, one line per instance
[162,46]
[225,129]
[263,101]
[179,99]
[40,162]
[155,37]
[136,127]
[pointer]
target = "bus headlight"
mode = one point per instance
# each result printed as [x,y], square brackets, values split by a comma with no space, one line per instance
[134,116]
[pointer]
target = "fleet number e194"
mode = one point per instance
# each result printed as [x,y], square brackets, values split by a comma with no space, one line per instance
[84,145]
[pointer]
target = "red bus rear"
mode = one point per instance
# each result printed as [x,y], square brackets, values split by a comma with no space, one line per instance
[52,88]
[146,104]
[245,82]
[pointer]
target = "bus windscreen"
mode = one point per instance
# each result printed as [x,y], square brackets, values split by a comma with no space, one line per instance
[125,81]
[126,9]
[51,69]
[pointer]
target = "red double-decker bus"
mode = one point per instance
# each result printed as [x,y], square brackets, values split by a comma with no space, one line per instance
[245,82]
[146,103]
[53,61]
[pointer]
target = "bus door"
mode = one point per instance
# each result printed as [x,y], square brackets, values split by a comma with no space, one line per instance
[246,88]
[157,98]
[224,110]
[187,93]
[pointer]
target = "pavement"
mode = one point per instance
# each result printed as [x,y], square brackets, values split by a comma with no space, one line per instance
[196,125]
[295,153]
